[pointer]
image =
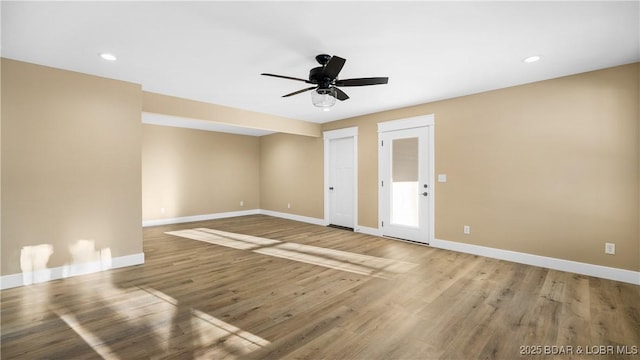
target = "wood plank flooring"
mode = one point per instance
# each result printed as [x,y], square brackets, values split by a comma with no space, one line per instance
[199,300]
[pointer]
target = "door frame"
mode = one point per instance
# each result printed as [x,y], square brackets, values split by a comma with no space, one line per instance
[351,132]
[403,124]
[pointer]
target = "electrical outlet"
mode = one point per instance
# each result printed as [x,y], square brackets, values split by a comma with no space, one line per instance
[241,203]
[609,248]
[288,205]
[467,229]
[162,210]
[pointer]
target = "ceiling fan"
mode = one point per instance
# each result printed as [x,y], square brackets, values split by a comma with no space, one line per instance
[325,81]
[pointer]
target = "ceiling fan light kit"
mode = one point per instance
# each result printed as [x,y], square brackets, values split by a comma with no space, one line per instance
[324,98]
[325,81]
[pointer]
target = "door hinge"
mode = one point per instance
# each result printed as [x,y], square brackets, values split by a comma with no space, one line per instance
[381,142]
[382,223]
[382,183]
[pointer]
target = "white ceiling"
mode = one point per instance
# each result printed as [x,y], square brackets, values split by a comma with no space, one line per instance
[215,51]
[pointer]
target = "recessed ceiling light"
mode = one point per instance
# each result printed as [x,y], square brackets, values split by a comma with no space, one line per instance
[108,57]
[531,59]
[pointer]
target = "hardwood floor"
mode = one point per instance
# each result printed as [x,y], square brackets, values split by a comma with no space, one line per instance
[313,292]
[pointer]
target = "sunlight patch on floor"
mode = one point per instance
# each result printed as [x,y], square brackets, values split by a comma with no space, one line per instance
[174,325]
[87,336]
[334,259]
[235,241]
[214,338]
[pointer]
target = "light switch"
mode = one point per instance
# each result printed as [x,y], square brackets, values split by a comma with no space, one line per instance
[442,177]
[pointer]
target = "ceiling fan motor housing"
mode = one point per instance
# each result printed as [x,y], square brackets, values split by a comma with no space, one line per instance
[316,77]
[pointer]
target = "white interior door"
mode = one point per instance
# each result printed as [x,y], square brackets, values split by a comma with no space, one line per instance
[341,182]
[405,184]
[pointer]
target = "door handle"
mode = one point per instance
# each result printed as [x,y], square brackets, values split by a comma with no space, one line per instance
[425,193]
[331,188]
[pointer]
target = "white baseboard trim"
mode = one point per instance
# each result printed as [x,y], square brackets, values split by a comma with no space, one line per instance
[305,219]
[62,272]
[628,276]
[185,219]
[368,230]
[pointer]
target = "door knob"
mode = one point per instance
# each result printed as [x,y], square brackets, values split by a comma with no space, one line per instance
[331,188]
[425,193]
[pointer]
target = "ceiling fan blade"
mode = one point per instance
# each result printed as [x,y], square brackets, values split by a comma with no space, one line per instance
[362,81]
[341,95]
[333,67]
[287,77]
[300,91]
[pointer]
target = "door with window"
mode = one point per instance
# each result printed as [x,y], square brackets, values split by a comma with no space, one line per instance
[406,194]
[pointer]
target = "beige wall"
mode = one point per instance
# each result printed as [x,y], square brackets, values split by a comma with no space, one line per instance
[70,163]
[1,257]
[193,172]
[549,168]
[291,172]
